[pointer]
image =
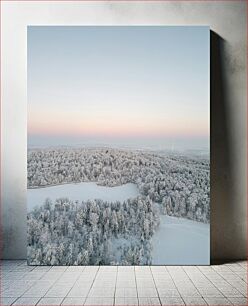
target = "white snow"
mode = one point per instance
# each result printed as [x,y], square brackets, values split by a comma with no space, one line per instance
[81,192]
[176,241]
[181,241]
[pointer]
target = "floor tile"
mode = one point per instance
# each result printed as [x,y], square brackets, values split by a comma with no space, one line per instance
[147,292]
[230,292]
[210,292]
[108,268]
[194,301]
[7,300]
[27,301]
[121,301]
[166,301]
[58,268]
[126,283]
[125,269]
[102,292]
[79,291]
[73,301]
[126,292]
[189,292]
[99,301]
[239,301]
[75,269]
[217,301]
[142,269]
[51,276]
[38,290]
[50,301]
[164,292]
[149,301]
[145,283]
[15,275]
[83,280]
[58,291]
[13,293]
[41,268]
[91,269]
[104,283]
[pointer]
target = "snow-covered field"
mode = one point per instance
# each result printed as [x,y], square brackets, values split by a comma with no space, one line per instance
[181,241]
[81,192]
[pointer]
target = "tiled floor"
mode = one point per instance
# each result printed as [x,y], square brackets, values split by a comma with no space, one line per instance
[155,285]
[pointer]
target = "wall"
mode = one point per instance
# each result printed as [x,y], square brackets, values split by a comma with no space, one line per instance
[227,20]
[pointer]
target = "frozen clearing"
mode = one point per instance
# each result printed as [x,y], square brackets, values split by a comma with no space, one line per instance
[176,241]
[81,192]
[181,241]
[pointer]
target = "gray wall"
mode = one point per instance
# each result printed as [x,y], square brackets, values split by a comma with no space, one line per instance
[227,21]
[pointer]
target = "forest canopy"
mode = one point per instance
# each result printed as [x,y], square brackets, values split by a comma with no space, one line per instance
[181,185]
[92,233]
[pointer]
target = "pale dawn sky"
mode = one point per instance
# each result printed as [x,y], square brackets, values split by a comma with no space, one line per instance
[118,85]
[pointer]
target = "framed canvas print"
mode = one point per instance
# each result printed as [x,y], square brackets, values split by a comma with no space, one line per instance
[118,167]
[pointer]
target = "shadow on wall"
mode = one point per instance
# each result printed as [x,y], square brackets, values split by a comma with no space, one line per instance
[222,177]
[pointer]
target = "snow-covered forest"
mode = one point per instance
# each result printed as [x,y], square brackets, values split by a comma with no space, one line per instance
[100,232]
[92,232]
[180,185]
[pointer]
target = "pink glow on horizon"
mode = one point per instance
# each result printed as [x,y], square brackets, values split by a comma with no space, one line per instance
[115,125]
[119,130]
